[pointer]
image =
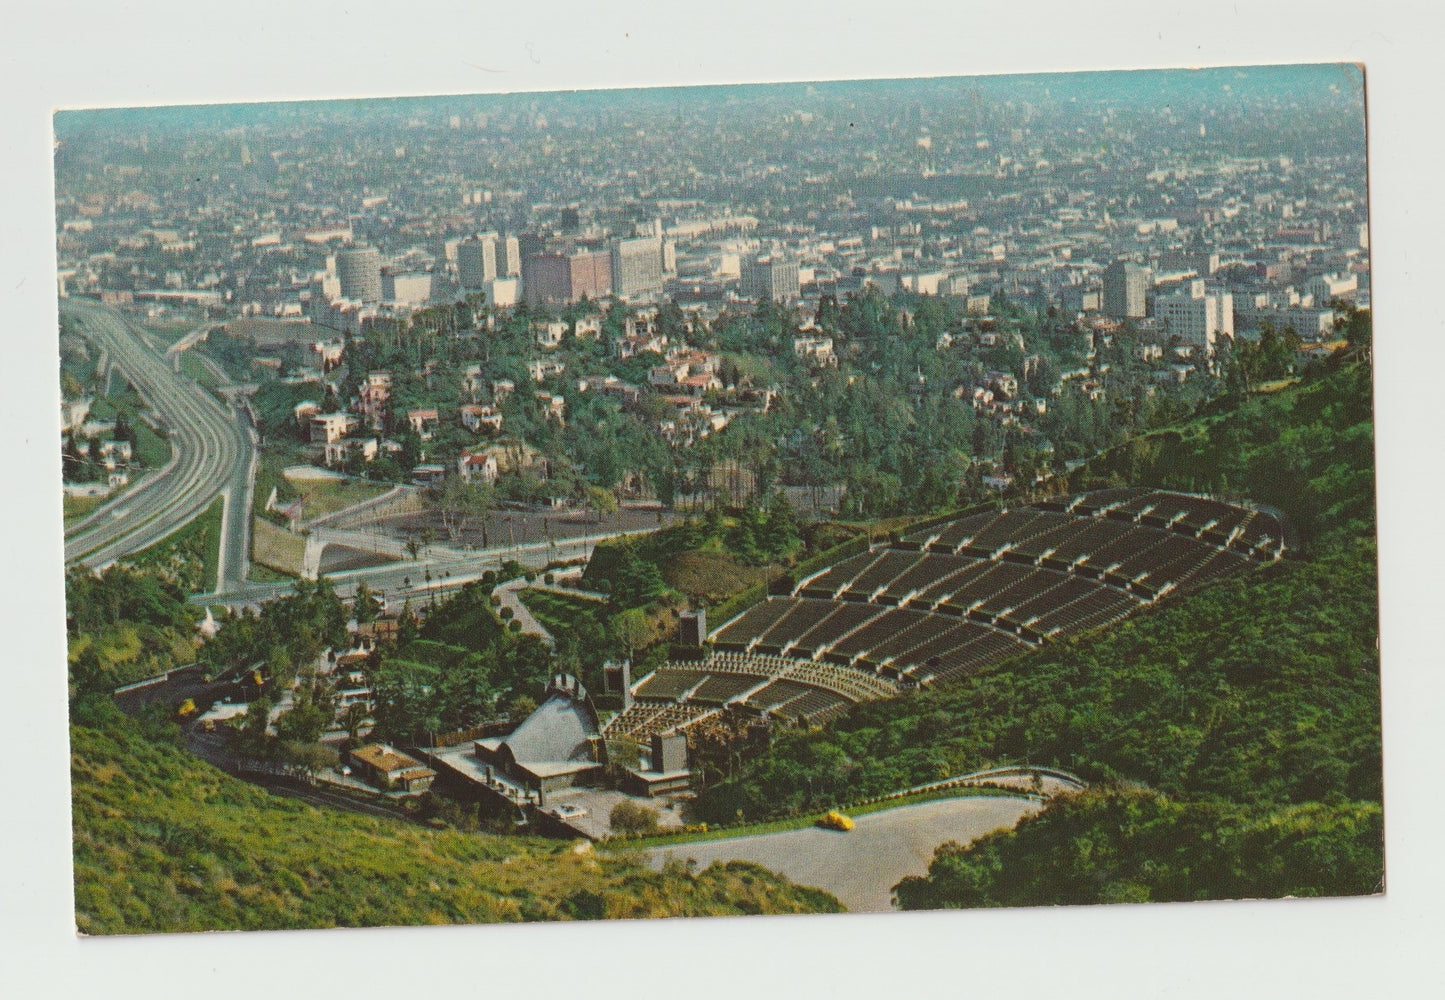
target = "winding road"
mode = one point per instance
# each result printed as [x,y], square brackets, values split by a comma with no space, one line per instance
[213,453]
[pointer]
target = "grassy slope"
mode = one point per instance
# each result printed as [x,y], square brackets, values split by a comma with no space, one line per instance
[166,843]
[327,496]
[276,548]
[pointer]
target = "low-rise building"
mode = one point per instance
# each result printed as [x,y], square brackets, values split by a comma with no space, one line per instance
[389,768]
[328,428]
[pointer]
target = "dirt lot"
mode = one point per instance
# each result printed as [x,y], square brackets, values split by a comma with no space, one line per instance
[268,332]
[516,527]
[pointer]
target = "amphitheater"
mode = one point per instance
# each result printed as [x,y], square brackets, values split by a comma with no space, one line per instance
[941,602]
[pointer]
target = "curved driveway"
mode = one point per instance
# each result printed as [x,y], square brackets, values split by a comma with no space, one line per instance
[862,866]
[212,451]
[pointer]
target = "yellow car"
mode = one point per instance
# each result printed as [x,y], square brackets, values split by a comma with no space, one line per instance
[836,821]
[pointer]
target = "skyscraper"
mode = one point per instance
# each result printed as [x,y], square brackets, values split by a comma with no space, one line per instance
[359,273]
[769,278]
[1125,285]
[1197,315]
[477,260]
[509,264]
[637,267]
[564,278]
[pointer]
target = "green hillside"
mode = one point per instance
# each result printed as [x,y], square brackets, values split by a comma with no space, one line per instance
[166,843]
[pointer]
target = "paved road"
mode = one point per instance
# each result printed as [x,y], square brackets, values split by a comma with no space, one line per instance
[861,867]
[212,453]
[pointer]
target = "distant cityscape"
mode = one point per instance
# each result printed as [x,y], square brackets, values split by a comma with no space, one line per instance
[1206,215]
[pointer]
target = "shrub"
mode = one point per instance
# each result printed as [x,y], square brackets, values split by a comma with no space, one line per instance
[633,819]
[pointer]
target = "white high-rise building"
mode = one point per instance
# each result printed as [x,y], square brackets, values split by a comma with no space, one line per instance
[359,272]
[1196,315]
[509,264]
[406,288]
[637,267]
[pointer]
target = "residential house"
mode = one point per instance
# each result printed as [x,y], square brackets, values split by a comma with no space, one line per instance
[588,327]
[472,381]
[338,452]
[304,411]
[423,422]
[554,407]
[476,418]
[114,454]
[549,334]
[817,350]
[374,395]
[387,767]
[477,465]
[328,428]
[544,368]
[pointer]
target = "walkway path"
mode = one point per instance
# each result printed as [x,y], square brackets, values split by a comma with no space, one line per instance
[507,593]
[861,867]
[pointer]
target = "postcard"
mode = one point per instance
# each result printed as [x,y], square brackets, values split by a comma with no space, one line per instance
[855,496]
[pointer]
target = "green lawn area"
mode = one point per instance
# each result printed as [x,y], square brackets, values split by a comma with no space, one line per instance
[276,549]
[78,507]
[191,555]
[327,496]
[151,450]
[193,367]
[711,576]
[560,611]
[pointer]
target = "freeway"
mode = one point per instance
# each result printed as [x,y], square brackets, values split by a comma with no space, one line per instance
[213,452]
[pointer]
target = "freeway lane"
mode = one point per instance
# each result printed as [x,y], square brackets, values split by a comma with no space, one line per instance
[213,453]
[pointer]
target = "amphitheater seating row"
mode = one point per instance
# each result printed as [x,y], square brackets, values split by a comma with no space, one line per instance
[945,600]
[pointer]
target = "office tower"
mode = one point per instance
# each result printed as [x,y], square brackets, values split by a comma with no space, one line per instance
[637,267]
[1196,316]
[477,260]
[359,272]
[1125,285]
[509,262]
[564,278]
[767,277]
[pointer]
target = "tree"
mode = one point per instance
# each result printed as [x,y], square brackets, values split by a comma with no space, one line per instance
[633,819]
[303,723]
[632,630]
[253,726]
[311,757]
[521,706]
[459,502]
[366,607]
[601,501]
